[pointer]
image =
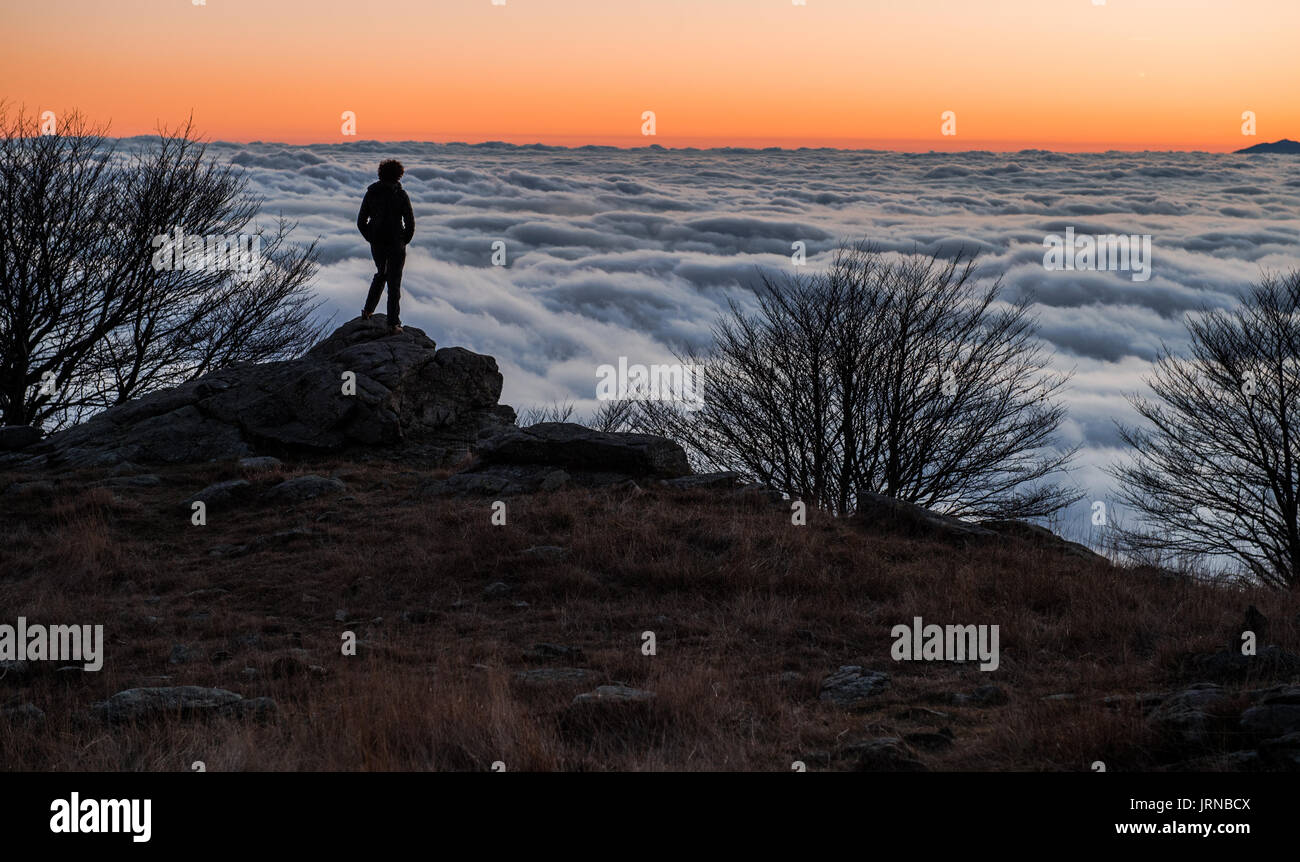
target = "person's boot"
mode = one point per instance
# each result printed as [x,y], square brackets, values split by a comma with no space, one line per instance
[366,315]
[394,330]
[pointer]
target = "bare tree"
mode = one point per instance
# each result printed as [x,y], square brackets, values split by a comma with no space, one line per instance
[617,415]
[898,376]
[1216,472]
[554,412]
[88,318]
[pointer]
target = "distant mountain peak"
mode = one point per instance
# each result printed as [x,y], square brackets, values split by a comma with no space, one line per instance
[1286,145]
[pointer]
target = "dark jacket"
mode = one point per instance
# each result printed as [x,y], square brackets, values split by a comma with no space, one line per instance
[386,217]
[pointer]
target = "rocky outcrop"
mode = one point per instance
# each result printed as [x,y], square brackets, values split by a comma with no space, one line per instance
[909,519]
[360,386]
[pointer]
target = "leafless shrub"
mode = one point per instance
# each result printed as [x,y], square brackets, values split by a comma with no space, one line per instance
[903,377]
[1216,471]
[86,320]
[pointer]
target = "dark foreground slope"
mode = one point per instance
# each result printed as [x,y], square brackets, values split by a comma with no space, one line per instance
[475,641]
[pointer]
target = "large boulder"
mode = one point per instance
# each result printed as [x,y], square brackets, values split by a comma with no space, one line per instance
[406,390]
[578,448]
[551,455]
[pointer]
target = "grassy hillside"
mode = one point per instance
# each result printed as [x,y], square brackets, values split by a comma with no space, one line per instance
[749,613]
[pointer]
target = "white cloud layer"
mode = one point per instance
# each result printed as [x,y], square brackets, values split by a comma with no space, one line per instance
[632,252]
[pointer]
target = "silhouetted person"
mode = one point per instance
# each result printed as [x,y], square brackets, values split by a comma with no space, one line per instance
[388,224]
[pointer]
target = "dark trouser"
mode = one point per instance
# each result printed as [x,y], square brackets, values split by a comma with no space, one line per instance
[389,261]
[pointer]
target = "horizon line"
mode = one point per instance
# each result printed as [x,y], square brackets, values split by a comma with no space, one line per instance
[497,143]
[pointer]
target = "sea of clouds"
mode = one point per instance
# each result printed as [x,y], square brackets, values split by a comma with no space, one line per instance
[633,252]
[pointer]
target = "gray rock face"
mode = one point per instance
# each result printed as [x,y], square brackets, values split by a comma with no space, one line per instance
[851,687]
[406,390]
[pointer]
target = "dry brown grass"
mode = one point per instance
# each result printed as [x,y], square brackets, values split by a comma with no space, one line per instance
[735,594]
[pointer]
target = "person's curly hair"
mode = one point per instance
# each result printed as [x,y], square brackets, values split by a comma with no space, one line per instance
[391,170]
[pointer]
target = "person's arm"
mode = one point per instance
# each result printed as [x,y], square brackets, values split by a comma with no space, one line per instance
[409,217]
[363,217]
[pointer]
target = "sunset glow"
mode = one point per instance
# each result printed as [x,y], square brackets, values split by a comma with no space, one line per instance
[1054,74]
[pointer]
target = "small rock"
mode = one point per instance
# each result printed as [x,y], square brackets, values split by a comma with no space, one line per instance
[218,494]
[617,693]
[496,590]
[546,552]
[181,700]
[851,687]
[260,462]
[301,488]
[1185,716]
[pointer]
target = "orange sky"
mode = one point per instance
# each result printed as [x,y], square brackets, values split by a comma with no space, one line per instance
[1058,74]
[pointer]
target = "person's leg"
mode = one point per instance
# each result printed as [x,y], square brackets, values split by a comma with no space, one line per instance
[376,283]
[396,262]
